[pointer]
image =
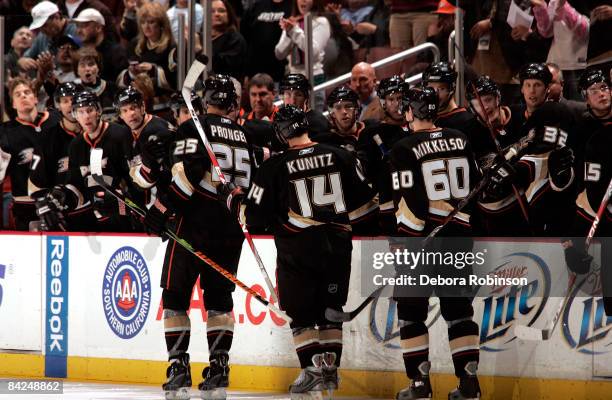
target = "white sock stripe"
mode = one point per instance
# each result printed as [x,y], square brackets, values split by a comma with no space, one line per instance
[330,341]
[465,348]
[177,329]
[306,343]
[229,328]
[415,349]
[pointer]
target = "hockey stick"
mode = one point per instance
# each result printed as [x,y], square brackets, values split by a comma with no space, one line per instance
[342,316]
[531,333]
[196,70]
[500,153]
[95,162]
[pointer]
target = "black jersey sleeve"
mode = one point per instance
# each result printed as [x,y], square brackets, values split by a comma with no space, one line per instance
[361,198]
[598,166]
[262,201]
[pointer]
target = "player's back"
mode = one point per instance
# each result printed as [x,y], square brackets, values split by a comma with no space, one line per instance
[194,179]
[313,186]
[432,171]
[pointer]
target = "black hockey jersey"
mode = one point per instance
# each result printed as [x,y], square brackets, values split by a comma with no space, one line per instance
[193,190]
[597,175]
[116,142]
[309,186]
[20,139]
[50,161]
[432,171]
[146,173]
[374,146]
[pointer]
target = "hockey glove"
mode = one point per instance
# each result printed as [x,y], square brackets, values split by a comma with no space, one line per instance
[577,259]
[50,210]
[156,218]
[502,177]
[231,197]
[560,162]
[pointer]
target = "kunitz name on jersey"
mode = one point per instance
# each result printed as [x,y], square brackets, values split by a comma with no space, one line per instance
[437,145]
[227,133]
[308,163]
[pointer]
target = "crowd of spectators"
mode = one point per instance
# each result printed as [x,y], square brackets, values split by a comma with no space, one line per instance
[107,46]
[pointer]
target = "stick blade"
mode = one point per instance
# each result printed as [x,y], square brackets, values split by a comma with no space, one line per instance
[337,316]
[196,70]
[530,333]
[95,161]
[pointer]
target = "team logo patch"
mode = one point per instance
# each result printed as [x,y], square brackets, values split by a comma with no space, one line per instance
[126,292]
[332,288]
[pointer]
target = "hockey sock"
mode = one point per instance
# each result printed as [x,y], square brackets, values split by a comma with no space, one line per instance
[177,330]
[330,340]
[464,343]
[415,346]
[306,341]
[220,331]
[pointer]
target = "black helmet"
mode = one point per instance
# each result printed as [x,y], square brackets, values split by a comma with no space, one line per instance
[440,72]
[295,82]
[177,101]
[484,85]
[389,86]
[590,77]
[219,91]
[537,71]
[128,95]
[423,101]
[289,121]
[66,89]
[342,93]
[86,98]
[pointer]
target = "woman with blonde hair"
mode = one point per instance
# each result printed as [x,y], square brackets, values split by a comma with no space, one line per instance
[153,51]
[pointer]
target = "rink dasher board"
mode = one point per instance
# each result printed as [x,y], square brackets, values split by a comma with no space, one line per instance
[260,338]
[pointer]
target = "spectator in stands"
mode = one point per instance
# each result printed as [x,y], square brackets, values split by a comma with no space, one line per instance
[52,25]
[61,69]
[599,52]
[180,8]
[363,82]
[21,41]
[72,8]
[88,64]
[570,32]
[555,92]
[17,14]
[229,47]
[128,27]
[260,24]
[152,51]
[409,22]
[339,54]
[261,97]
[373,30]
[439,31]
[90,28]
[293,42]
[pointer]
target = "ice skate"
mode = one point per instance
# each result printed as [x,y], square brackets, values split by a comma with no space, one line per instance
[469,388]
[216,377]
[178,384]
[309,384]
[420,387]
[330,373]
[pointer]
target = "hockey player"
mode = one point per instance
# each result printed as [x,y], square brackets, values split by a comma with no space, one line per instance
[376,141]
[82,195]
[343,107]
[179,108]
[18,140]
[295,90]
[535,83]
[152,137]
[432,170]
[442,78]
[208,225]
[50,160]
[309,195]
